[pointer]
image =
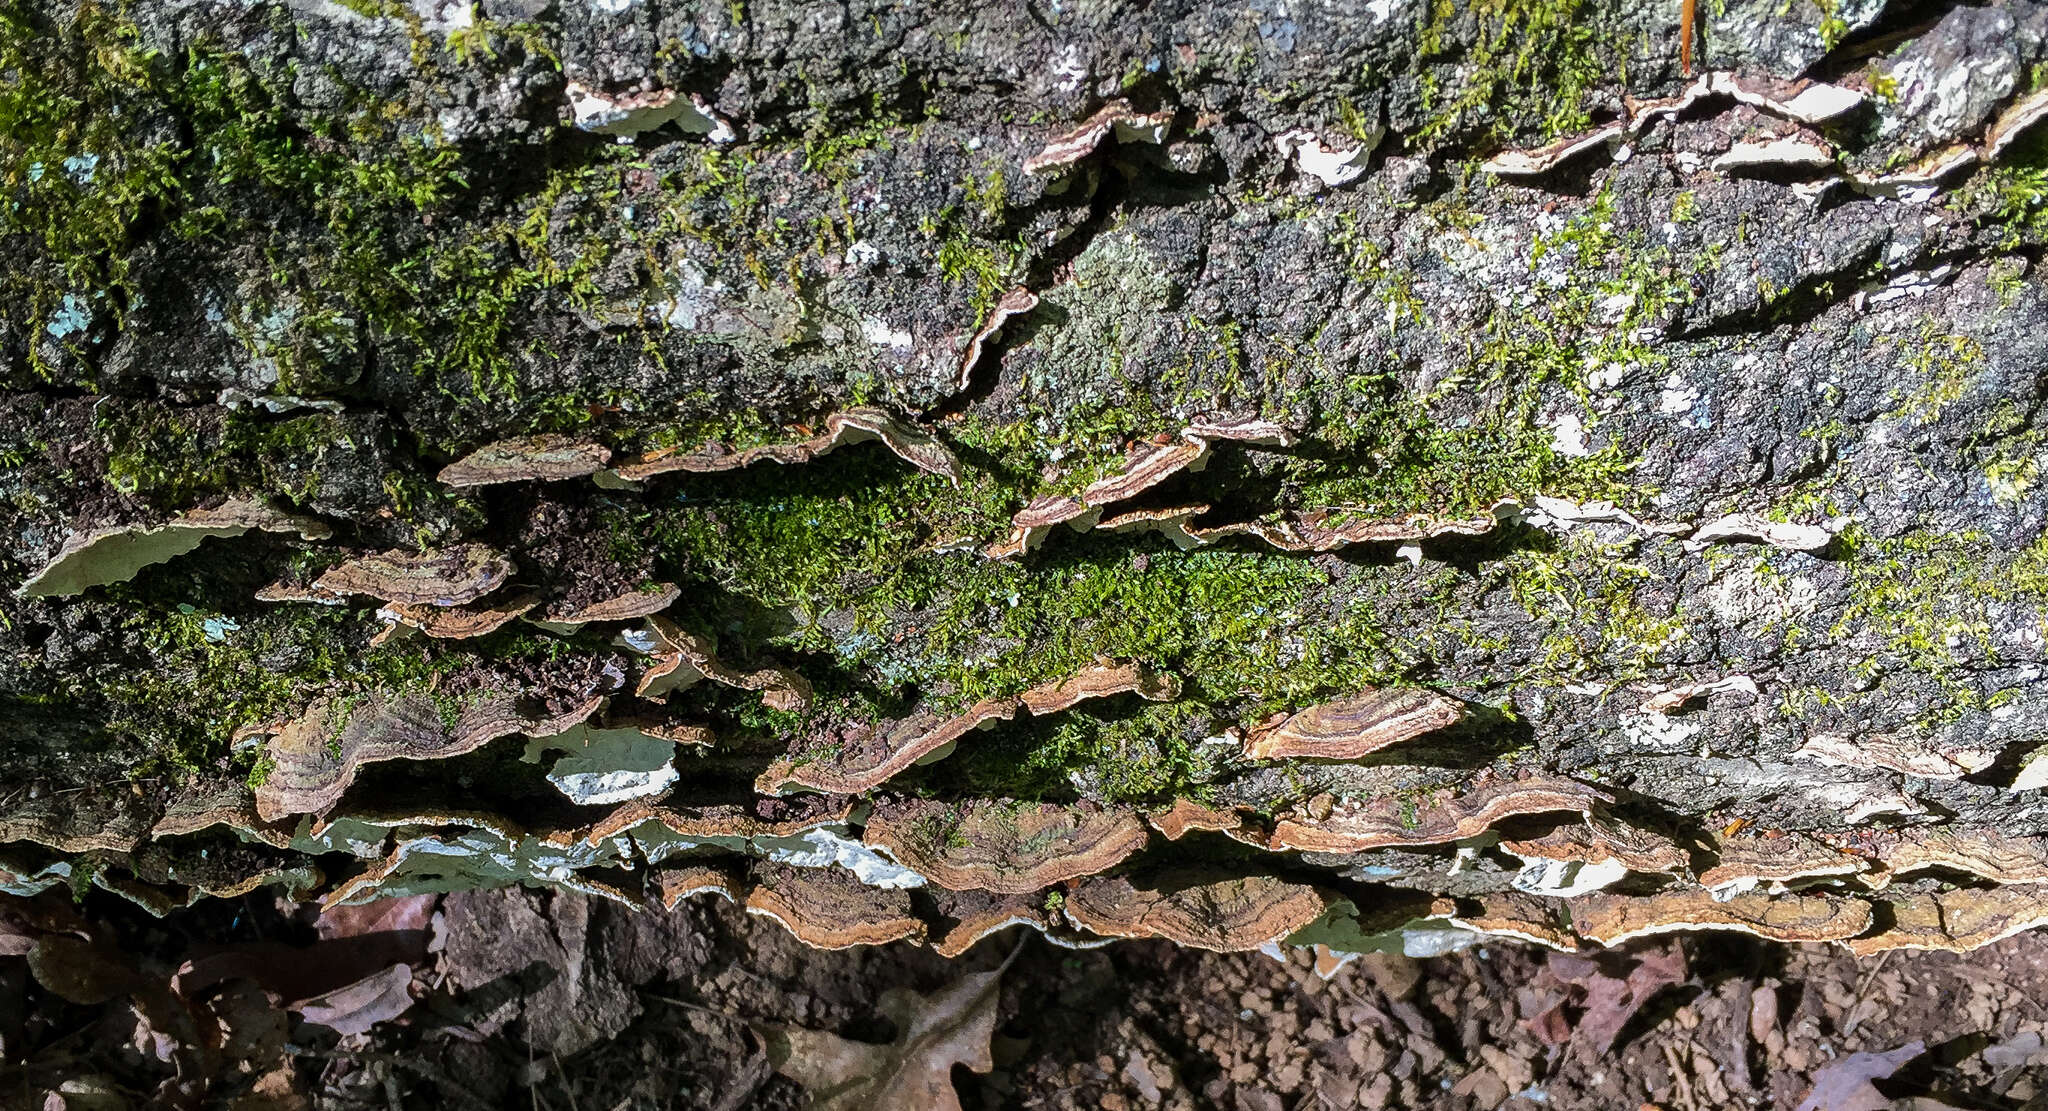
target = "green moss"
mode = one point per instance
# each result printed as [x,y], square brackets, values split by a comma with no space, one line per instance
[1929,600]
[1530,67]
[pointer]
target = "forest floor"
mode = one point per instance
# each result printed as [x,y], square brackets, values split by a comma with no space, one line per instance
[517,998]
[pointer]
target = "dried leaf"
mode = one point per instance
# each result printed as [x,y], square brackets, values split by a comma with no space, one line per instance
[84,972]
[1845,1085]
[1611,1000]
[376,998]
[912,1073]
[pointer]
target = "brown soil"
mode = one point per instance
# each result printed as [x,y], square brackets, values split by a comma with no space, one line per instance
[541,1000]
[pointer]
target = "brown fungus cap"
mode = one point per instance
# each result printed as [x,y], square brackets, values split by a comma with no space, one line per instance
[1612,919]
[1955,921]
[1512,914]
[1994,855]
[527,459]
[1187,815]
[969,916]
[644,601]
[1115,118]
[827,908]
[1597,840]
[1776,857]
[863,757]
[1147,464]
[789,818]
[96,819]
[1222,915]
[452,576]
[217,802]
[315,756]
[672,885]
[1921,756]
[1004,847]
[1014,303]
[459,622]
[911,444]
[1353,726]
[1033,523]
[1433,818]
[682,657]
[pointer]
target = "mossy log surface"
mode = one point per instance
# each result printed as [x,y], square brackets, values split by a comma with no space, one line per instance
[1239,462]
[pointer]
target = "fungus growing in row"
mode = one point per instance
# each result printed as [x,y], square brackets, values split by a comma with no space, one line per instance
[457,622]
[1776,858]
[452,576]
[1598,840]
[1001,847]
[527,459]
[1187,815]
[1924,757]
[1033,523]
[1672,698]
[1171,523]
[1543,159]
[1533,918]
[1016,302]
[114,553]
[218,802]
[1222,915]
[1997,856]
[673,885]
[1116,118]
[1612,919]
[681,658]
[1795,151]
[1353,726]
[642,601]
[2013,122]
[1956,921]
[315,756]
[860,757]
[78,821]
[1436,818]
[971,916]
[853,426]
[483,858]
[1755,528]
[661,833]
[827,908]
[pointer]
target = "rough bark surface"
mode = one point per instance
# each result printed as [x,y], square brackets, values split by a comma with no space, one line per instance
[459,444]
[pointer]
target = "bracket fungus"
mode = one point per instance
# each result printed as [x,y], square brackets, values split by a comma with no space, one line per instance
[483,857]
[77,822]
[1776,858]
[2000,857]
[672,885]
[827,908]
[451,576]
[228,803]
[1016,302]
[1923,757]
[529,459]
[1955,921]
[1543,159]
[1222,915]
[1147,463]
[1612,919]
[2023,114]
[1117,118]
[1754,528]
[458,622]
[1333,166]
[1598,840]
[642,601]
[1186,816]
[858,758]
[628,114]
[114,553]
[1005,848]
[1525,917]
[1353,726]
[1435,818]
[315,756]
[970,916]
[853,426]
[681,658]
[1671,698]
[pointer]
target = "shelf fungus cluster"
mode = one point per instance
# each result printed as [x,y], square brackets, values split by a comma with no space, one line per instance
[605,730]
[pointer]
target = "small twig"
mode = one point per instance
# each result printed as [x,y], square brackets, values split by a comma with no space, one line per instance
[1863,989]
[1688,14]
[564,1078]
